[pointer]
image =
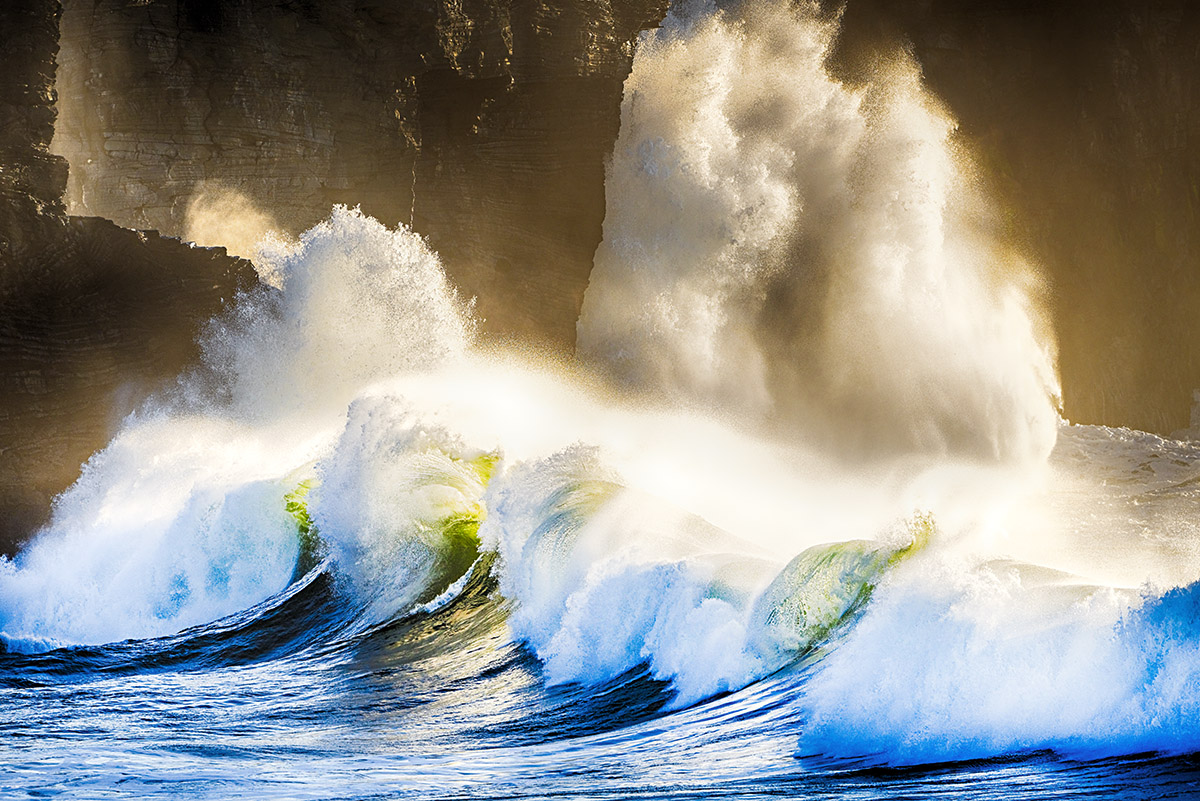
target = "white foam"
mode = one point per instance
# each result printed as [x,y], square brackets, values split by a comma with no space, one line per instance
[960,663]
[182,519]
[606,578]
[384,492]
[803,258]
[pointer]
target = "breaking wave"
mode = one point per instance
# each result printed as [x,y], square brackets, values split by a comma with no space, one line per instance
[804,493]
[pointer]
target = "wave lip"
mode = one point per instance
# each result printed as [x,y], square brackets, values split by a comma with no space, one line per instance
[399,505]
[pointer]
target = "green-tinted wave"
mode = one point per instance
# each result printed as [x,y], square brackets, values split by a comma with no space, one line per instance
[312,548]
[829,585]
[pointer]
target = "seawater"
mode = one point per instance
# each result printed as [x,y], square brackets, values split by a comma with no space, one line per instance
[799,519]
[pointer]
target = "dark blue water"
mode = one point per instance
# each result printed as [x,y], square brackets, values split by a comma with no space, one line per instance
[288,700]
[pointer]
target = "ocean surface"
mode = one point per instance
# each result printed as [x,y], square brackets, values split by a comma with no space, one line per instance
[799,518]
[280,701]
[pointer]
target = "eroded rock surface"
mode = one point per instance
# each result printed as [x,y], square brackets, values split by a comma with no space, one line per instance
[93,317]
[31,178]
[483,123]
[92,322]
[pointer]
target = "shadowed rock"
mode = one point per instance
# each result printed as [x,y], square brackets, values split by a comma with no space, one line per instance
[484,124]
[91,323]
[93,317]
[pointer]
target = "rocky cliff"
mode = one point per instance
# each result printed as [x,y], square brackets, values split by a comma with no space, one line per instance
[92,321]
[31,179]
[483,123]
[93,317]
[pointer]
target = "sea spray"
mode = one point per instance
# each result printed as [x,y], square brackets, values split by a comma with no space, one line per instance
[184,517]
[716,195]
[221,216]
[803,258]
[645,539]
[359,303]
[816,256]
[177,522]
[799,270]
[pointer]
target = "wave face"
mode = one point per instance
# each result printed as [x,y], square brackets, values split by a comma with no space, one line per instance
[801,520]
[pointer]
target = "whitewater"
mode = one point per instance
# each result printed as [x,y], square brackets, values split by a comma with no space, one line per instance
[799,517]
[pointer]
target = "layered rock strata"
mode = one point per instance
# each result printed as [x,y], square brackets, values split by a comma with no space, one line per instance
[93,317]
[31,178]
[485,124]
[93,320]
[482,123]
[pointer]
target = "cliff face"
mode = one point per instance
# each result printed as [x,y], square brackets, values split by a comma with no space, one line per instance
[31,179]
[92,320]
[1086,118]
[483,123]
[92,317]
